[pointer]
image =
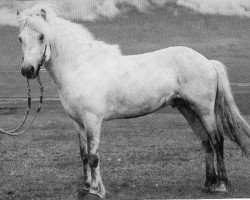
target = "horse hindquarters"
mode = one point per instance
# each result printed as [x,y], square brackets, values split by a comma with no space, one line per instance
[199,110]
[224,118]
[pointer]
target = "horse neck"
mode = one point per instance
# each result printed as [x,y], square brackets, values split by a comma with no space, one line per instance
[70,40]
[69,44]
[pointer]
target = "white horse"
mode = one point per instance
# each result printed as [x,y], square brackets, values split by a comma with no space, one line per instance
[97,83]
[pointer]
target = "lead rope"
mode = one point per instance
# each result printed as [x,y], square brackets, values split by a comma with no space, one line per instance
[27,111]
[16,131]
[40,101]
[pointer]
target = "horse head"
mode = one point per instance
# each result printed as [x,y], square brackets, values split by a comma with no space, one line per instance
[35,40]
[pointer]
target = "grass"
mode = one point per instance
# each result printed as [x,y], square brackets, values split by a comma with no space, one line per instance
[151,157]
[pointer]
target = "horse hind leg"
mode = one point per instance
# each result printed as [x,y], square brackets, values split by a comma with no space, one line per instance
[217,141]
[196,125]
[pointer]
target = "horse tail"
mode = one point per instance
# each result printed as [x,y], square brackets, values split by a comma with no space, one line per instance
[229,120]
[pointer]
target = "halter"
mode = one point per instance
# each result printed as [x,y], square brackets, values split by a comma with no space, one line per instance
[43,59]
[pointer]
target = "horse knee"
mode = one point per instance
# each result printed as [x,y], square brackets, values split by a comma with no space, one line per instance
[93,161]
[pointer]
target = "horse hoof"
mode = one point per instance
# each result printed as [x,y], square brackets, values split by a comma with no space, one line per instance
[96,193]
[221,188]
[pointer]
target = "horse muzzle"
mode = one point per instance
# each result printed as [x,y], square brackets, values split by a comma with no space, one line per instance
[29,71]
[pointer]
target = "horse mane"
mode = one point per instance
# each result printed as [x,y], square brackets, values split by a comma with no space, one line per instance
[83,36]
[51,10]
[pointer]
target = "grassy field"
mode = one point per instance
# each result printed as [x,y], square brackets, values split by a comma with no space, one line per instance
[151,157]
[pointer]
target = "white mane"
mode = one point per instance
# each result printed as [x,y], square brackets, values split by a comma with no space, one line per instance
[50,9]
[75,35]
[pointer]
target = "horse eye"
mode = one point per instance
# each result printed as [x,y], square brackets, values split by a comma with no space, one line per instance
[41,37]
[20,39]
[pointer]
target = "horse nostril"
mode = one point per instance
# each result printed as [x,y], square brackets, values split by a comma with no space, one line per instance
[31,69]
[28,71]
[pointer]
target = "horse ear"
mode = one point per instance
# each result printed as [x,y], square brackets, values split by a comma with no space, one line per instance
[43,14]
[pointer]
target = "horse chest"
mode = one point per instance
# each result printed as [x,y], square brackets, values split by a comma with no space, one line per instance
[77,102]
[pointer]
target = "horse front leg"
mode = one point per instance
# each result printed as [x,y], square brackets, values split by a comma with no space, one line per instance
[93,125]
[84,154]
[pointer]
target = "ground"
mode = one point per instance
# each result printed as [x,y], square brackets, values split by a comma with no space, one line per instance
[151,157]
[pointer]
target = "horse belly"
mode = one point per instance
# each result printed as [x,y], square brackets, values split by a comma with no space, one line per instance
[131,105]
[136,111]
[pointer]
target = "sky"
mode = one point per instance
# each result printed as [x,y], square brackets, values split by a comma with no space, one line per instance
[94,9]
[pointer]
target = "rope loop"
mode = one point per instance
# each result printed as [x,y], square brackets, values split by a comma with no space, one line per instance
[16,131]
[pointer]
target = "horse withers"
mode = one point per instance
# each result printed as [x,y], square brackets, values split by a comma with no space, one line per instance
[97,83]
